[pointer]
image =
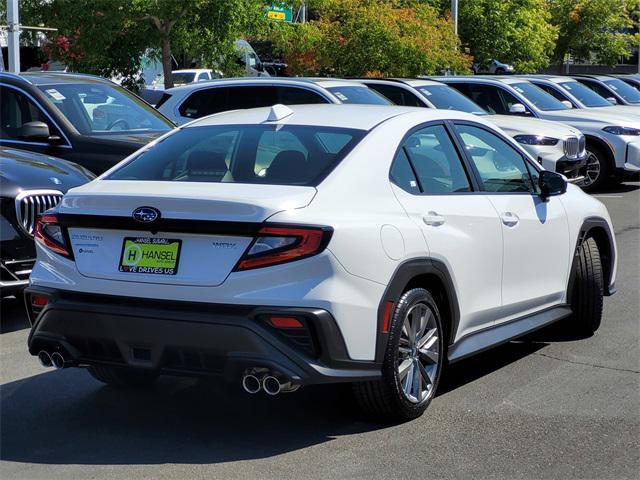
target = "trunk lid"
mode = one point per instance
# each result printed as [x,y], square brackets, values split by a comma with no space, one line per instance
[202,231]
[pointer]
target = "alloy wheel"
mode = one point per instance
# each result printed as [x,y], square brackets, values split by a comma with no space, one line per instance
[419,353]
[593,168]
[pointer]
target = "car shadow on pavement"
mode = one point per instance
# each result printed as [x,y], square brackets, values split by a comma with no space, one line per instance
[66,417]
[13,316]
[619,188]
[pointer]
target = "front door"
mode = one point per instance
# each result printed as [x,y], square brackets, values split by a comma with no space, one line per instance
[537,250]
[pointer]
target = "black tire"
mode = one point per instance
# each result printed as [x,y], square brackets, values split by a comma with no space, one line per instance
[122,377]
[587,291]
[595,154]
[384,399]
[499,71]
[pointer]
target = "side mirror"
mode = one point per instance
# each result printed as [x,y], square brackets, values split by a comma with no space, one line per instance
[35,131]
[551,184]
[517,109]
[612,100]
[567,103]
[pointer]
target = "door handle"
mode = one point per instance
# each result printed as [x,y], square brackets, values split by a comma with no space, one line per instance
[510,219]
[433,219]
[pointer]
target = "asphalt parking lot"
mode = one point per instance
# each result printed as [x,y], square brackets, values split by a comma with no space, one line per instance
[545,407]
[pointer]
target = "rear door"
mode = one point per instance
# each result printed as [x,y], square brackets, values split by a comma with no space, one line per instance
[461,227]
[537,250]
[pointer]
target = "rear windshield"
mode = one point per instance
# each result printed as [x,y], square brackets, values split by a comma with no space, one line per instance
[358,94]
[256,154]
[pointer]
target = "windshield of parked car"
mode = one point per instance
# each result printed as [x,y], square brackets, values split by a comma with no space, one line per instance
[585,95]
[104,109]
[358,94]
[448,98]
[541,99]
[626,91]
[182,78]
[255,154]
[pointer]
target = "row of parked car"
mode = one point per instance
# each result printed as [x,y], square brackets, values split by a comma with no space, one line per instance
[59,130]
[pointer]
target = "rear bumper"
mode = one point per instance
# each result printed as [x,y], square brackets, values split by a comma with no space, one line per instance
[194,339]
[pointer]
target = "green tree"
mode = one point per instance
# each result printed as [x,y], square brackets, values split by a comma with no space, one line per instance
[518,32]
[594,29]
[370,38]
[110,37]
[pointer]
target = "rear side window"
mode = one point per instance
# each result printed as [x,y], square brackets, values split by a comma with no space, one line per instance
[429,163]
[255,154]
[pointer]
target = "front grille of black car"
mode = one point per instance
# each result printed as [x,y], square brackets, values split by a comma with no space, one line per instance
[32,203]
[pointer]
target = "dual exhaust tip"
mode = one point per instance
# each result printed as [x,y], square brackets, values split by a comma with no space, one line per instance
[55,359]
[272,384]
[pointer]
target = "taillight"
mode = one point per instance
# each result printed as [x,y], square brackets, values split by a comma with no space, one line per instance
[277,245]
[51,235]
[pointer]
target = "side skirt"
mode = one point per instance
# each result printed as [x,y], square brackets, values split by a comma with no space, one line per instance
[490,337]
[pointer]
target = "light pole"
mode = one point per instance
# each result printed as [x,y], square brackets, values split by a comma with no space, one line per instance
[13,40]
[454,14]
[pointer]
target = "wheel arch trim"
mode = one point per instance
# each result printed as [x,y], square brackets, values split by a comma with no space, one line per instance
[598,228]
[406,273]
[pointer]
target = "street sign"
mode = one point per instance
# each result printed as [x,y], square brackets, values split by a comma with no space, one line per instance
[280,12]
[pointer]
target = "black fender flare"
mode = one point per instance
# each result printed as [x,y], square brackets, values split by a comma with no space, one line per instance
[401,278]
[598,228]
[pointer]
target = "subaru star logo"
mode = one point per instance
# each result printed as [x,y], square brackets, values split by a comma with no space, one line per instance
[55,180]
[146,214]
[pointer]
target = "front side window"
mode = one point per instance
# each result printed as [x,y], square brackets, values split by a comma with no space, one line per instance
[16,109]
[626,91]
[541,99]
[254,154]
[596,87]
[103,109]
[435,161]
[501,167]
[358,94]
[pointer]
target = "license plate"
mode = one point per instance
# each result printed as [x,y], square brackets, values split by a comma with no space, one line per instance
[156,256]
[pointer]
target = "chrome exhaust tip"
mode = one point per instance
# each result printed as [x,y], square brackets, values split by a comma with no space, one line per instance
[44,358]
[58,360]
[251,384]
[271,385]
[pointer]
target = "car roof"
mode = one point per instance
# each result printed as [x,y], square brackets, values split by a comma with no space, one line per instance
[362,117]
[594,77]
[413,82]
[50,78]
[508,80]
[191,70]
[299,81]
[549,78]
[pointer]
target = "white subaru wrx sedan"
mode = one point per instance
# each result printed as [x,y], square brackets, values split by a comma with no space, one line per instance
[281,247]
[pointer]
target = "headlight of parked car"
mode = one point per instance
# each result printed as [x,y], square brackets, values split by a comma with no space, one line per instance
[622,131]
[535,140]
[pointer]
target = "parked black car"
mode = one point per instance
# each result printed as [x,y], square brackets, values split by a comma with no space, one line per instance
[30,183]
[82,118]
